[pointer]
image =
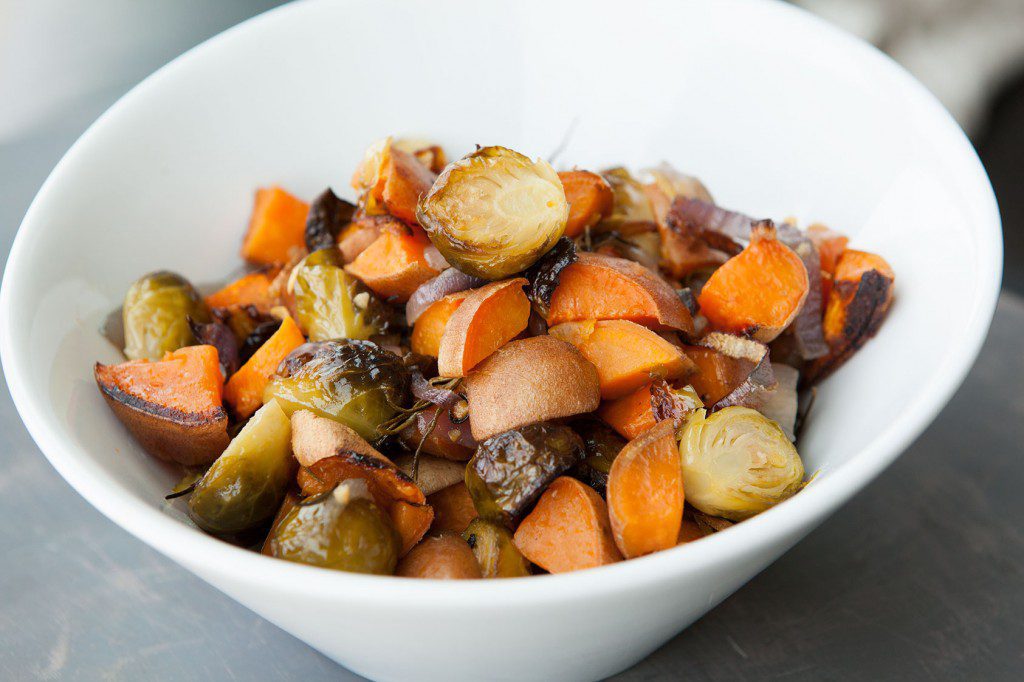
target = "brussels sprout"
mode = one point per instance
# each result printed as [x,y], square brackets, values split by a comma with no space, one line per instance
[356,383]
[494,213]
[343,529]
[601,445]
[495,552]
[246,484]
[632,209]
[331,304]
[509,471]
[737,463]
[156,312]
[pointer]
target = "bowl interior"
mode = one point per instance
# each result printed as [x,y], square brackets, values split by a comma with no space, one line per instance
[777,113]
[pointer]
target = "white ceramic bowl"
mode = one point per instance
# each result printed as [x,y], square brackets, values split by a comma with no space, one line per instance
[779,113]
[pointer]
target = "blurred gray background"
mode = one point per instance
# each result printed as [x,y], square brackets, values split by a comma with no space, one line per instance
[919,577]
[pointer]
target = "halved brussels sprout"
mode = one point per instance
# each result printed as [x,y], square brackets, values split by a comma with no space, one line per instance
[356,383]
[495,551]
[343,529]
[246,484]
[510,471]
[494,212]
[737,463]
[331,304]
[156,311]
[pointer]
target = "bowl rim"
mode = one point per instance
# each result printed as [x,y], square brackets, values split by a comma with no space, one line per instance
[193,548]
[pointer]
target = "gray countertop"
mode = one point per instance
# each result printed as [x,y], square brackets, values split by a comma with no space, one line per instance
[918,577]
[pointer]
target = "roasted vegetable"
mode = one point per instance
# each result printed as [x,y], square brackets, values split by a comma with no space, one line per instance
[343,529]
[331,304]
[429,328]
[645,493]
[601,445]
[244,390]
[328,216]
[487,319]
[445,558]
[568,530]
[625,354]
[545,274]
[510,470]
[356,383]
[657,401]
[598,287]
[631,210]
[276,233]
[495,550]
[156,314]
[494,212]
[527,381]
[391,179]
[450,281]
[731,370]
[394,265]
[780,403]
[252,289]
[453,509]
[220,336]
[737,463]
[246,484]
[590,199]
[172,407]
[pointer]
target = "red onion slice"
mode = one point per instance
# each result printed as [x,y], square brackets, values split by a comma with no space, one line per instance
[450,281]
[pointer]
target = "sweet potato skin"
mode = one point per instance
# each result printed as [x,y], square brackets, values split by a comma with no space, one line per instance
[528,381]
[599,287]
[443,558]
[487,318]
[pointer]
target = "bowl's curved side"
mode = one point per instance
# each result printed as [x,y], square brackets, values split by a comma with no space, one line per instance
[900,168]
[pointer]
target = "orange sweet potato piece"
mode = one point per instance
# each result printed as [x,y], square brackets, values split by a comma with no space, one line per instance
[568,530]
[453,509]
[393,266]
[244,390]
[412,521]
[277,229]
[859,300]
[386,483]
[757,292]
[645,493]
[172,407]
[830,246]
[626,355]
[430,325]
[487,319]
[406,180]
[252,289]
[730,369]
[599,287]
[630,415]
[590,199]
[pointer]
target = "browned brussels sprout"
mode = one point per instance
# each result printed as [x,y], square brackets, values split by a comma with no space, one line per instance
[343,529]
[356,383]
[331,304]
[495,551]
[245,486]
[494,212]
[510,471]
[601,445]
[156,312]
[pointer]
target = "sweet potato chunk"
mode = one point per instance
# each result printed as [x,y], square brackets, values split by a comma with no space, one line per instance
[590,199]
[277,229]
[487,319]
[406,180]
[645,493]
[528,381]
[412,521]
[861,294]
[599,287]
[445,558]
[626,355]
[172,407]
[453,509]
[731,370]
[393,266]
[244,390]
[830,246]
[757,292]
[637,412]
[568,530]
[430,325]
[252,289]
